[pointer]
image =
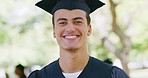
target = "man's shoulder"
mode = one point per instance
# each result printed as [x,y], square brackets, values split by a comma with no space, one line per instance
[118,73]
[107,69]
[100,64]
[50,66]
[43,72]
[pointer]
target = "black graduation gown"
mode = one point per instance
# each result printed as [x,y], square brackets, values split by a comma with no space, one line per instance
[94,69]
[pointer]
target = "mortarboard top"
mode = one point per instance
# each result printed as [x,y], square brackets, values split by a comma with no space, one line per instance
[53,5]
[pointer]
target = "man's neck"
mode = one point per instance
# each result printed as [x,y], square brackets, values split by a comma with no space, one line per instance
[73,61]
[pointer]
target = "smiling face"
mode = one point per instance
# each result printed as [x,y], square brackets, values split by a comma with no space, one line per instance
[71,29]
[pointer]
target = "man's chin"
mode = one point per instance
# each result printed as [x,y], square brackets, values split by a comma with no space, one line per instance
[71,48]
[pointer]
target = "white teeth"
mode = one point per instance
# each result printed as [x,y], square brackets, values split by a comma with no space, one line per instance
[70,36]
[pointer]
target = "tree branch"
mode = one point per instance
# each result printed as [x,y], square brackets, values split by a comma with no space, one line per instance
[123,38]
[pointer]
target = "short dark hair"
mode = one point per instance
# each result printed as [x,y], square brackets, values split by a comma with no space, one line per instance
[87,18]
[21,67]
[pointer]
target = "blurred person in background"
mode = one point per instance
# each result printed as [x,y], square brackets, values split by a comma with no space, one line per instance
[19,71]
[3,73]
[71,27]
[7,76]
[108,61]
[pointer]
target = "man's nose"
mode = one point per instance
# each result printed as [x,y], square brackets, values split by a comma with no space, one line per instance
[70,27]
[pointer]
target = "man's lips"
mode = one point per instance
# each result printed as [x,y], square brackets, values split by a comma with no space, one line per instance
[71,37]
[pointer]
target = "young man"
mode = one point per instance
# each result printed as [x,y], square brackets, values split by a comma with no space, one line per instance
[71,23]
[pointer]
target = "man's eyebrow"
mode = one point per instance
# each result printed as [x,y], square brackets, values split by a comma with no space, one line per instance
[78,18]
[61,19]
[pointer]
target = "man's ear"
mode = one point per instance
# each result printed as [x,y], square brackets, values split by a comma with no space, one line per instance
[89,30]
[54,34]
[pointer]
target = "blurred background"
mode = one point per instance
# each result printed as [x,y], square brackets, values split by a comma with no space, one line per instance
[120,35]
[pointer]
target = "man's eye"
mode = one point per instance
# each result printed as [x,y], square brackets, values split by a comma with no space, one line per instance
[62,23]
[78,22]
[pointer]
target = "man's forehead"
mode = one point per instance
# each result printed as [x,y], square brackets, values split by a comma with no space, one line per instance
[71,12]
[73,19]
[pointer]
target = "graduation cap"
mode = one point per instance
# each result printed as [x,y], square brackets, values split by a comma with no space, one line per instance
[53,5]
